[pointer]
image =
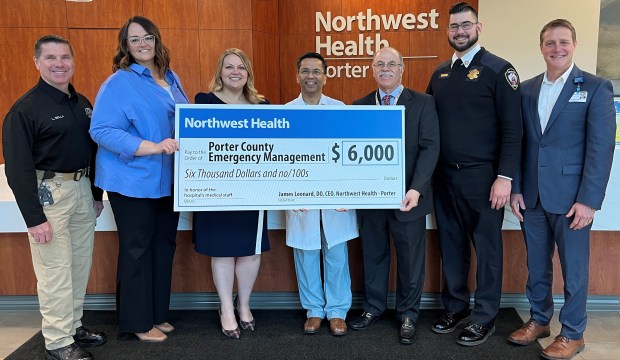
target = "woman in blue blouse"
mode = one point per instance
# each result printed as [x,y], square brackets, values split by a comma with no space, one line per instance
[133,123]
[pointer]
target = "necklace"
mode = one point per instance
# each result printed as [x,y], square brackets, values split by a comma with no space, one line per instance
[307,103]
[230,100]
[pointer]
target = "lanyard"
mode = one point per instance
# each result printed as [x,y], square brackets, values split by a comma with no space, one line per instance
[378,102]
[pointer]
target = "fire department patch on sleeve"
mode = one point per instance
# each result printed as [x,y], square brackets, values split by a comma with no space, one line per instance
[513,78]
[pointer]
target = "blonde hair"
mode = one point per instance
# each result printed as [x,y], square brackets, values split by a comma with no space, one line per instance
[249,91]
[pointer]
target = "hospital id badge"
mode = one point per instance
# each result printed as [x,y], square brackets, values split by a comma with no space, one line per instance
[579,96]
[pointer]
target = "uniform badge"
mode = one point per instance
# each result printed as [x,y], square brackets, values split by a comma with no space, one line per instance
[444,75]
[88,112]
[513,78]
[474,73]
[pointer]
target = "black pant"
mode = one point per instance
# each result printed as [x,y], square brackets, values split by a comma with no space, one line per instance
[147,230]
[410,244]
[463,213]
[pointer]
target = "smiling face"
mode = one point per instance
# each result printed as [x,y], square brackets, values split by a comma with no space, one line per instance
[55,63]
[388,77]
[463,40]
[557,48]
[311,77]
[234,74]
[143,54]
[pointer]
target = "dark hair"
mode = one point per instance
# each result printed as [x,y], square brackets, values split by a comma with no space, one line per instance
[558,23]
[50,39]
[249,91]
[123,57]
[461,7]
[312,55]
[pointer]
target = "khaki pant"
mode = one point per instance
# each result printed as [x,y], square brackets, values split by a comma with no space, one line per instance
[62,266]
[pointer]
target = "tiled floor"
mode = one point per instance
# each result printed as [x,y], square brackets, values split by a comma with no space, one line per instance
[15,328]
[602,336]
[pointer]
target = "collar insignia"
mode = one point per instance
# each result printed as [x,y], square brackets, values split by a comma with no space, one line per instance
[473,74]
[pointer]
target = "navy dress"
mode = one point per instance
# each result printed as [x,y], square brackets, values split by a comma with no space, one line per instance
[228,233]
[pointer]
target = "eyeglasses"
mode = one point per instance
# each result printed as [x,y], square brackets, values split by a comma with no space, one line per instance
[465,25]
[315,72]
[392,65]
[136,40]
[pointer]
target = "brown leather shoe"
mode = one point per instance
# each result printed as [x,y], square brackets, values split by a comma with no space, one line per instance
[529,332]
[312,325]
[153,335]
[337,327]
[563,348]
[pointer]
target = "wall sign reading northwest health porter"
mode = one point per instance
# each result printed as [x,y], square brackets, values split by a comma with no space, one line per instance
[276,157]
[369,41]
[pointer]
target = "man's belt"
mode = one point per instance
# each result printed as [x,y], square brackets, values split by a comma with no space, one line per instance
[75,176]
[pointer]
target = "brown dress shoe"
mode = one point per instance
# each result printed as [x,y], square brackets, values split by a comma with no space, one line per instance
[563,348]
[153,335]
[312,325]
[337,327]
[529,332]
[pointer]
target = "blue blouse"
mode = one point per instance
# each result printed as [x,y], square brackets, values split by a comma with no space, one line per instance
[131,107]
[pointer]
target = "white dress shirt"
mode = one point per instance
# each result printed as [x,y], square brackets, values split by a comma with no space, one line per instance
[549,93]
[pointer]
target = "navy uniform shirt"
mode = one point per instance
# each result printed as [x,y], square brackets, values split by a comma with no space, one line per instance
[479,110]
[46,129]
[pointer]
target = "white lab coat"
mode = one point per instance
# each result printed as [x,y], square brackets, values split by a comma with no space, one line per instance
[303,229]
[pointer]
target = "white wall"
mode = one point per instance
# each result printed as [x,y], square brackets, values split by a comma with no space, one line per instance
[511,30]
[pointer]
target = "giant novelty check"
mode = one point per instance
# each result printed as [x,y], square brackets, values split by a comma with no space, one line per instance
[276,157]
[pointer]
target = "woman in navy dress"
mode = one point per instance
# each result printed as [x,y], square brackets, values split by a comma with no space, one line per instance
[233,239]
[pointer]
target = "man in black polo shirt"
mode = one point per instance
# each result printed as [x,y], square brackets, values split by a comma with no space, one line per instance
[478,103]
[48,152]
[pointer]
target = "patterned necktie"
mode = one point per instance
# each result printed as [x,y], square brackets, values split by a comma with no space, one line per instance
[386,99]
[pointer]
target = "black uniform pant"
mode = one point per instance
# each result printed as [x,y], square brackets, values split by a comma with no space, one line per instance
[147,230]
[463,213]
[410,244]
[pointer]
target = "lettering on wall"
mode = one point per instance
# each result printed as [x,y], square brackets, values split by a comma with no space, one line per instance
[366,44]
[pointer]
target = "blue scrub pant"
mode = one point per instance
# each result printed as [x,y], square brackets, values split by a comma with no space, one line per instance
[331,296]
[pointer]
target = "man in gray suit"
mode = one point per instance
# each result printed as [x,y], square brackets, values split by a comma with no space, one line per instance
[569,129]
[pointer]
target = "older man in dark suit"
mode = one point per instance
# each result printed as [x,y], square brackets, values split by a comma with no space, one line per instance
[407,225]
[569,128]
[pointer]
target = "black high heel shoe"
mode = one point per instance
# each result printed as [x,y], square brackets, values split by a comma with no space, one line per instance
[251,325]
[233,334]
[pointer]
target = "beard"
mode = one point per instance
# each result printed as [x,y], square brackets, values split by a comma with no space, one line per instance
[470,42]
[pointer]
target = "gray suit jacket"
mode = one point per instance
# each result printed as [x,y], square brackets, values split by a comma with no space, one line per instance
[571,161]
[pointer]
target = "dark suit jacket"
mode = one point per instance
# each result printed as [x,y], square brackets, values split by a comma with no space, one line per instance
[571,161]
[421,147]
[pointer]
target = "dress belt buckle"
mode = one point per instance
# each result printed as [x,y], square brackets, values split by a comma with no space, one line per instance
[79,174]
